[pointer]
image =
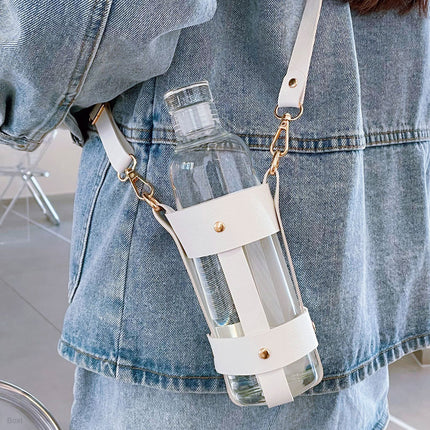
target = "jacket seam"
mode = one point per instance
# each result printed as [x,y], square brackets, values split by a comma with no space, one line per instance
[366,363]
[325,378]
[73,89]
[128,366]
[361,141]
[345,136]
[382,421]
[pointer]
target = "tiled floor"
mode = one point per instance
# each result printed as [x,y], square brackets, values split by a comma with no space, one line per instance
[33,299]
[33,283]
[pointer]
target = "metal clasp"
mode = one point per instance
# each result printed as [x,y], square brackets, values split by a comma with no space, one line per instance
[284,126]
[142,194]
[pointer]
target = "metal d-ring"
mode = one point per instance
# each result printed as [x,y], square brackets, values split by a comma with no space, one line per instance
[291,118]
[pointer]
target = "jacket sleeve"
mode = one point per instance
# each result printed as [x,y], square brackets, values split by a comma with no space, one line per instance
[55,55]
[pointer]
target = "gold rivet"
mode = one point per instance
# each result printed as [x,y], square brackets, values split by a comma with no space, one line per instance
[263,353]
[292,83]
[219,226]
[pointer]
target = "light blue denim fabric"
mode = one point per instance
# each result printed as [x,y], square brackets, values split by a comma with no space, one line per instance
[104,404]
[361,259]
[354,189]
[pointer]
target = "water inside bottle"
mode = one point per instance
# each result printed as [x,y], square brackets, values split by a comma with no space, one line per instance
[271,277]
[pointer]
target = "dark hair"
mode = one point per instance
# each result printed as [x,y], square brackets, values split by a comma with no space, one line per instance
[402,6]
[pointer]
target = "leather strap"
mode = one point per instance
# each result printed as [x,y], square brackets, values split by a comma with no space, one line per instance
[115,144]
[287,250]
[285,344]
[275,388]
[244,292]
[293,85]
[247,215]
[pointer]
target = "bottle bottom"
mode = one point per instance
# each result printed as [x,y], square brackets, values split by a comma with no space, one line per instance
[302,375]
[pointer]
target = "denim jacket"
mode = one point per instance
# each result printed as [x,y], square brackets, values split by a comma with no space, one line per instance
[354,187]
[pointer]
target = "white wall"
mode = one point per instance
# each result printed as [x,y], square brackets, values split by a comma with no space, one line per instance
[61,159]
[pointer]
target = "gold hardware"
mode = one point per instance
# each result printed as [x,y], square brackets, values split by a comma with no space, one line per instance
[219,226]
[134,178]
[284,126]
[292,83]
[275,163]
[277,154]
[263,353]
[291,119]
[94,117]
[130,172]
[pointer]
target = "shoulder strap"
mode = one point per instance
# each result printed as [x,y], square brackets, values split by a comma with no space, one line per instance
[293,86]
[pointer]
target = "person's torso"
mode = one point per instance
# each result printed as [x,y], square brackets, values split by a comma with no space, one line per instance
[358,254]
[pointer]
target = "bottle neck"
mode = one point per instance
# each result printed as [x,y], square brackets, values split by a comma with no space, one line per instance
[195,122]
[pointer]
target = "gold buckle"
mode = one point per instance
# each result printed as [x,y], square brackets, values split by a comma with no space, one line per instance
[134,178]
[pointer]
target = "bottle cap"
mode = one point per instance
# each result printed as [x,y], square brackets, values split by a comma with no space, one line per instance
[187,96]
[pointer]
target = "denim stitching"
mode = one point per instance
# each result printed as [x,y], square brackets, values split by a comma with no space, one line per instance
[346,136]
[366,363]
[128,366]
[382,422]
[330,378]
[397,136]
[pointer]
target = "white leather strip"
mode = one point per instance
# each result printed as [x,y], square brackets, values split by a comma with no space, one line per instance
[244,292]
[115,144]
[285,343]
[298,68]
[248,215]
[275,388]
[253,320]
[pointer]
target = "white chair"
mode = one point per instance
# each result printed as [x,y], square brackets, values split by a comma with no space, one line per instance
[26,170]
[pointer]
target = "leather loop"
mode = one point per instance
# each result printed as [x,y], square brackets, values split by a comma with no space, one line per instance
[275,387]
[115,144]
[285,344]
[247,215]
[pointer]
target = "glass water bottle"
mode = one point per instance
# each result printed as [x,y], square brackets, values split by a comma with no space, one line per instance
[209,162]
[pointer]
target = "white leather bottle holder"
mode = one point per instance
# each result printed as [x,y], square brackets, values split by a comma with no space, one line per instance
[247,215]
